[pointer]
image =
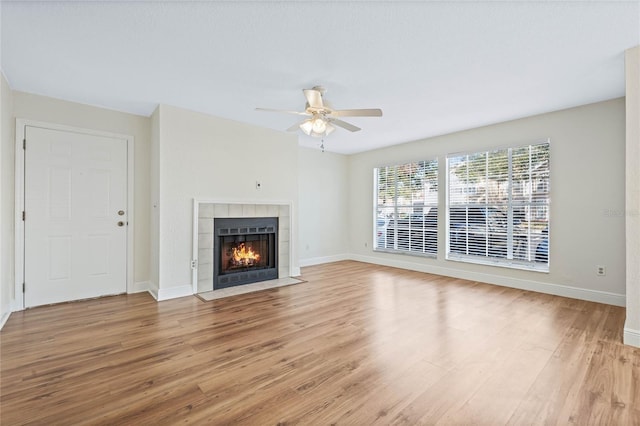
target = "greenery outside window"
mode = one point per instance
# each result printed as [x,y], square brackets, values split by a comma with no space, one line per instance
[498,207]
[406,210]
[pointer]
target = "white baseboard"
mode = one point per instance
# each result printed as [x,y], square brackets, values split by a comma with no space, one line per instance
[153,293]
[4,319]
[522,284]
[631,337]
[140,287]
[324,259]
[153,289]
[173,292]
[537,286]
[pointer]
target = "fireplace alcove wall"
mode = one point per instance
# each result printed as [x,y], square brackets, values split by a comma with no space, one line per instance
[208,212]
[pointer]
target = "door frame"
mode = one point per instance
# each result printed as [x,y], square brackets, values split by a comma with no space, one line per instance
[21,125]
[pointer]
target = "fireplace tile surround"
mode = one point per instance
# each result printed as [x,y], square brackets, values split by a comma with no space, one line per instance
[208,212]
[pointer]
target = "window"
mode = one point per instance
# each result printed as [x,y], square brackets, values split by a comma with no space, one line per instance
[407,208]
[498,207]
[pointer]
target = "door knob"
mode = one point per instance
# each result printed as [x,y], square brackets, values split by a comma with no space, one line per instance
[121,223]
[120,212]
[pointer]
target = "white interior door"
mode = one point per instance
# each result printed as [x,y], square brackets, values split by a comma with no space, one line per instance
[75,216]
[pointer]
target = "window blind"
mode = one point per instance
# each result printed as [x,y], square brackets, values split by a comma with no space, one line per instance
[407,208]
[498,207]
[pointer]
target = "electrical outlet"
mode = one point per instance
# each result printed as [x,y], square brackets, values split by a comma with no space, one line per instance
[601,270]
[194,264]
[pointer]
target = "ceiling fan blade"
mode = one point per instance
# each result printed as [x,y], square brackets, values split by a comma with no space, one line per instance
[371,112]
[283,110]
[314,98]
[330,129]
[344,125]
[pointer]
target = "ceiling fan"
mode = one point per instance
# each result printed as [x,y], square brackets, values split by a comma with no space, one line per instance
[322,118]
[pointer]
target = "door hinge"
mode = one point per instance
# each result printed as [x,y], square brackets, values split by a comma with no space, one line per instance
[24,143]
[24,215]
[23,288]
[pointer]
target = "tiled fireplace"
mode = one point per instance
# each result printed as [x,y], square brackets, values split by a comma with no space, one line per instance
[217,230]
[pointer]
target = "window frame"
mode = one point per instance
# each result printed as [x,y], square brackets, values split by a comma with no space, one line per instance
[433,163]
[529,265]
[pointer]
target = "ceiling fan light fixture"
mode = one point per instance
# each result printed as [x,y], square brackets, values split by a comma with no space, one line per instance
[319,125]
[307,127]
[322,119]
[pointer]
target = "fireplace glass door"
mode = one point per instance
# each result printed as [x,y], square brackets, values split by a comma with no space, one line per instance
[244,252]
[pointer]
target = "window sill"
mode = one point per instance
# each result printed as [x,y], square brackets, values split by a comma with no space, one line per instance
[406,253]
[502,263]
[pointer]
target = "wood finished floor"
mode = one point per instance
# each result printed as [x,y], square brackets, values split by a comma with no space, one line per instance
[357,344]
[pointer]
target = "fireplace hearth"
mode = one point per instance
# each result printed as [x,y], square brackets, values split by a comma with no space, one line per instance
[245,251]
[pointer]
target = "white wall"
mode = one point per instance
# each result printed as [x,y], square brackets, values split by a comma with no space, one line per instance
[587,200]
[632,76]
[182,154]
[323,180]
[41,108]
[6,200]
[210,158]
[154,209]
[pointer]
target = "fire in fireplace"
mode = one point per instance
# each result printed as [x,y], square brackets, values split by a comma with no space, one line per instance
[239,254]
[244,251]
[242,257]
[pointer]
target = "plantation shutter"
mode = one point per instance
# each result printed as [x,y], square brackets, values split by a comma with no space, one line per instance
[406,207]
[498,207]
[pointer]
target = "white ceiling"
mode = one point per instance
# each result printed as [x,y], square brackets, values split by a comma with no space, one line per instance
[433,67]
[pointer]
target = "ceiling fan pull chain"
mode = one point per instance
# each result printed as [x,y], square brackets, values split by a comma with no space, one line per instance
[322,144]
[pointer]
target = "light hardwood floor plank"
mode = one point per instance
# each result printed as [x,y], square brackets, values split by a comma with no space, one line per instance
[355,344]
